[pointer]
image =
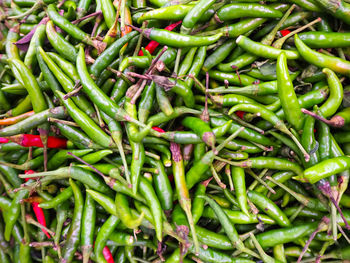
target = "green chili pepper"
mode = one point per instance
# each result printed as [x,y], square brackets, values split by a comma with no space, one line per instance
[88,227]
[13,213]
[200,167]
[285,235]
[286,94]
[103,234]
[229,228]
[271,117]
[153,202]
[109,54]
[73,236]
[309,142]
[335,94]
[338,9]
[181,188]
[194,14]
[71,29]
[31,84]
[60,44]
[138,151]
[58,199]
[238,10]
[106,202]
[316,39]
[269,208]
[123,210]
[79,139]
[61,156]
[218,56]
[201,128]
[67,67]
[87,124]
[242,80]
[321,60]
[37,40]
[108,12]
[238,178]
[173,39]
[264,50]
[324,169]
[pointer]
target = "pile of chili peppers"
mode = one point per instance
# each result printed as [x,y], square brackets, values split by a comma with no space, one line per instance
[174,131]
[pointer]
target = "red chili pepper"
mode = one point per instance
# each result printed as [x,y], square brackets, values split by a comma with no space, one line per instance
[240,114]
[40,216]
[284,32]
[39,212]
[30,140]
[153,44]
[3,140]
[29,172]
[158,129]
[108,255]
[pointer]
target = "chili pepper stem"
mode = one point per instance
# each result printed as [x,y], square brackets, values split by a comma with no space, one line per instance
[230,138]
[325,187]
[177,61]
[38,4]
[344,234]
[135,95]
[24,166]
[44,134]
[258,179]
[96,24]
[107,179]
[70,123]
[125,77]
[186,205]
[139,41]
[77,21]
[292,218]
[217,178]
[75,92]
[264,148]
[246,124]
[334,222]
[30,220]
[122,155]
[324,223]
[297,196]
[279,43]
[25,226]
[271,36]
[42,244]
[266,258]
[291,135]
[336,121]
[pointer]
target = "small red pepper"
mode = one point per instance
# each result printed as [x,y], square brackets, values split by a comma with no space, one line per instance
[28,172]
[158,129]
[240,114]
[30,140]
[107,255]
[4,140]
[151,47]
[284,32]
[39,212]
[40,216]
